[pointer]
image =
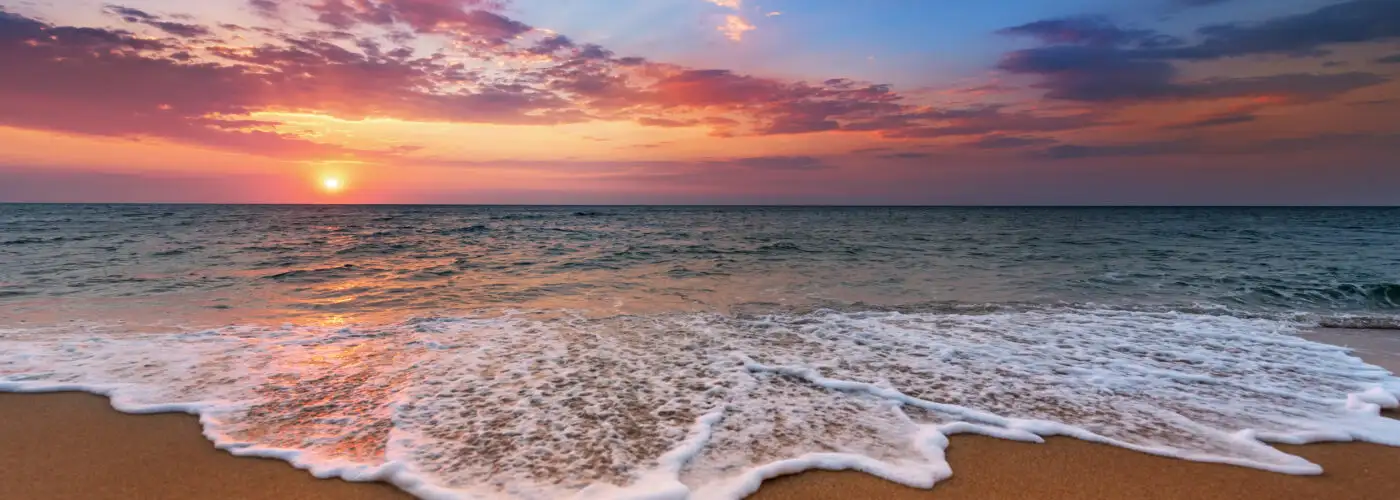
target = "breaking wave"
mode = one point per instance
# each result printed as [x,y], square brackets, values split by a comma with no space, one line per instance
[543,404]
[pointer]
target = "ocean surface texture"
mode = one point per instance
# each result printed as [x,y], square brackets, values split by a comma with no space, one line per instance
[630,352]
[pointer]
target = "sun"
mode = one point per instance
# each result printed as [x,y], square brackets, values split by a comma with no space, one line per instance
[332,184]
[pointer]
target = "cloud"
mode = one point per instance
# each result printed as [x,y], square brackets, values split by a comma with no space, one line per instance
[203,92]
[1291,88]
[109,82]
[1391,59]
[1216,120]
[362,63]
[707,166]
[666,122]
[530,77]
[1149,148]
[908,155]
[1091,60]
[1097,74]
[1319,143]
[129,14]
[266,8]
[469,21]
[1090,30]
[778,163]
[987,120]
[734,27]
[1357,21]
[1085,73]
[998,141]
[182,30]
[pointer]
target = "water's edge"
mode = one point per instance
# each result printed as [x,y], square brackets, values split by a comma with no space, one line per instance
[664,480]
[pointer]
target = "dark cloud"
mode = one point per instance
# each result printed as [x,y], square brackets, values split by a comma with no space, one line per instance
[19,30]
[1151,148]
[182,30]
[129,14]
[1080,73]
[1356,21]
[1323,143]
[1286,88]
[989,120]
[1092,60]
[1392,59]
[778,163]
[266,8]
[997,141]
[1093,30]
[908,155]
[1216,120]
[552,44]
[1096,74]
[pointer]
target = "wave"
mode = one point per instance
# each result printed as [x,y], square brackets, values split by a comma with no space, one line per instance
[29,240]
[546,404]
[318,275]
[1376,295]
[463,230]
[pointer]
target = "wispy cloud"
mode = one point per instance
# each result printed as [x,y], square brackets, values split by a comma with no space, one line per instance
[734,27]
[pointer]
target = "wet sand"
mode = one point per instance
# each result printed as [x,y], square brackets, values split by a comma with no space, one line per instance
[75,446]
[72,446]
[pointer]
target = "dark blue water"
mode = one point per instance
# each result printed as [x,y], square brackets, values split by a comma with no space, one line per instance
[266,262]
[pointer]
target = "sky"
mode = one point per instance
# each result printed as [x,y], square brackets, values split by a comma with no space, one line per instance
[882,102]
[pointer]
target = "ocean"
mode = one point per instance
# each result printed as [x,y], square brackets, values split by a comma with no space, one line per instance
[674,352]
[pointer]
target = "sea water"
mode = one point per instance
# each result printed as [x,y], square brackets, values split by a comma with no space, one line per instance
[691,352]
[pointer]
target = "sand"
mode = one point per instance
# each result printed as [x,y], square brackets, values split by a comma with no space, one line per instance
[75,446]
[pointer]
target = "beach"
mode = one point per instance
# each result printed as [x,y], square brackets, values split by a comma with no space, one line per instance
[654,352]
[74,445]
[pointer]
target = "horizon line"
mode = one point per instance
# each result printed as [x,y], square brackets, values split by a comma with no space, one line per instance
[678,205]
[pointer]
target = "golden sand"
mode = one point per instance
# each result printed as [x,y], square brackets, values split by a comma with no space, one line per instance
[75,446]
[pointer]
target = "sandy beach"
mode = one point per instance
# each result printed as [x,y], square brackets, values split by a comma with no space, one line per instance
[72,445]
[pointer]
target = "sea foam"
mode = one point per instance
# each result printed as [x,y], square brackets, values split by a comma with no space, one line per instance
[536,405]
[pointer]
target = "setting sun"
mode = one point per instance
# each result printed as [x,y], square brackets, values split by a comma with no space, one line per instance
[332,184]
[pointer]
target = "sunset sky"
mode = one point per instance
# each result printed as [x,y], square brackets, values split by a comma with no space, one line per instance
[701,101]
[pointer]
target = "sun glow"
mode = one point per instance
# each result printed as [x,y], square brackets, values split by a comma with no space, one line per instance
[332,184]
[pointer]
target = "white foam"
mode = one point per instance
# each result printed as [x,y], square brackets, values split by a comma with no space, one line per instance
[708,406]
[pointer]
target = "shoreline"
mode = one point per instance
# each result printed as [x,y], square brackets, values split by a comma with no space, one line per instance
[75,445]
